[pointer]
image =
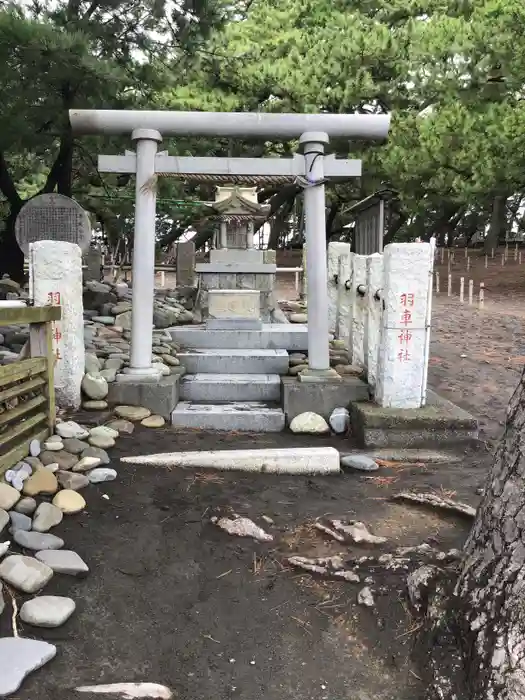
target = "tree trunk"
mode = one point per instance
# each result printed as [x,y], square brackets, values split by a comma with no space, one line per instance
[489,595]
[497,223]
[11,257]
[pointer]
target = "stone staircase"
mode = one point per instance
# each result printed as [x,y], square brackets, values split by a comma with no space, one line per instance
[233,377]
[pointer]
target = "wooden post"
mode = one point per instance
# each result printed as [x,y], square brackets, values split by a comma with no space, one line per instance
[506,251]
[461,289]
[470,291]
[449,289]
[492,254]
[466,252]
[442,255]
[41,345]
[468,264]
[502,259]
[486,261]
[519,257]
[437,282]
[481,294]
[516,253]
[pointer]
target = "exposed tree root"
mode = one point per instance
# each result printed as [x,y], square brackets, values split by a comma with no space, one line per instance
[437,502]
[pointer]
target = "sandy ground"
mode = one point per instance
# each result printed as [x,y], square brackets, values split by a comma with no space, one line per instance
[171,599]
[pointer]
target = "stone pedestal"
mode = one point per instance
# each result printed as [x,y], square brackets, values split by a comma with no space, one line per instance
[234,308]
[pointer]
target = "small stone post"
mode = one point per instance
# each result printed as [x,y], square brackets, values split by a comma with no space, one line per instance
[335,251]
[403,359]
[374,283]
[344,300]
[359,311]
[55,278]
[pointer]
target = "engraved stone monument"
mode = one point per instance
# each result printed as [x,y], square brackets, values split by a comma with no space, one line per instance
[52,217]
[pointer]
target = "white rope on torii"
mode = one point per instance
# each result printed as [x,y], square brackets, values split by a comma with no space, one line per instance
[310,169]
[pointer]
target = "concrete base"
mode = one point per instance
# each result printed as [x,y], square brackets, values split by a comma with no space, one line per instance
[321,398]
[236,268]
[237,255]
[248,417]
[219,388]
[160,397]
[287,336]
[296,460]
[234,361]
[233,324]
[438,423]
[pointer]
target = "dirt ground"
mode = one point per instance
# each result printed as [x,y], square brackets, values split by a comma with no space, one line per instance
[171,599]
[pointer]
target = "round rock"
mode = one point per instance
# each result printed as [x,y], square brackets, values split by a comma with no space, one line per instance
[340,420]
[46,517]
[26,505]
[63,561]
[95,405]
[86,463]
[153,422]
[70,429]
[74,446]
[125,427]
[47,611]
[72,480]
[34,448]
[37,540]
[96,452]
[94,386]
[103,431]
[64,459]
[133,413]
[53,445]
[4,519]
[309,422]
[360,463]
[42,481]
[19,521]
[69,502]
[8,496]
[25,573]
[102,441]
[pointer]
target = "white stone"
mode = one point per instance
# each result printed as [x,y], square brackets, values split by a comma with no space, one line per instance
[47,611]
[95,386]
[402,370]
[340,420]
[234,303]
[335,251]
[309,422]
[18,658]
[70,429]
[25,573]
[56,278]
[101,474]
[34,448]
[374,283]
[53,445]
[86,463]
[63,561]
[359,311]
[299,460]
[4,547]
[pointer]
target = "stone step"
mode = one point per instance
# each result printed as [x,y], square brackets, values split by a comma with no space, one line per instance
[217,388]
[247,417]
[287,336]
[234,361]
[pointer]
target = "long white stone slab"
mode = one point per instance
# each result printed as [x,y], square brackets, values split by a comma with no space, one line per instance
[230,387]
[234,361]
[287,336]
[298,460]
[238,416]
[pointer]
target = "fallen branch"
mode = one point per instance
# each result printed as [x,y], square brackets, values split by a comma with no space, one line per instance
[432,500]
[325,566]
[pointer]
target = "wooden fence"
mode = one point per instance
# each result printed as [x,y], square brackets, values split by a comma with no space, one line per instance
[27,393]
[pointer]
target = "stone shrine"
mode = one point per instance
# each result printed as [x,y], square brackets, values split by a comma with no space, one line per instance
[237,283]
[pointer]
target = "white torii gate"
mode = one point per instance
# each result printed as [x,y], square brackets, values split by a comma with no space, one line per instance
[310,170]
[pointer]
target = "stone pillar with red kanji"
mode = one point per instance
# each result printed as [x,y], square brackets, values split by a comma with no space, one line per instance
[405,328]
[55,271]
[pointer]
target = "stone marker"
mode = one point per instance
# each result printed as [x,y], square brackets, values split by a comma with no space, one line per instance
[47,611]
[63,561]
[185,264]
[55,269]
[403,357]
[25,573]
[18,658]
